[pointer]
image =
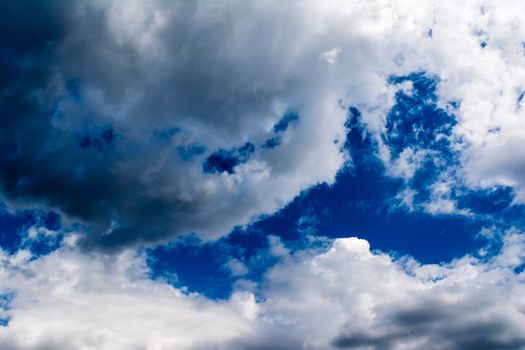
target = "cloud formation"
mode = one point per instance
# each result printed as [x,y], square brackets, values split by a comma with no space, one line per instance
[148,120]
[345,298]
[112,110]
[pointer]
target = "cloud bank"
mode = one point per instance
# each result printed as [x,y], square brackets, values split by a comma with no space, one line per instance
[347,297]
[113,111]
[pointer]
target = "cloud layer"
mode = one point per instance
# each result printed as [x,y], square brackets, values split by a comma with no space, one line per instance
[112,109]
[345,297]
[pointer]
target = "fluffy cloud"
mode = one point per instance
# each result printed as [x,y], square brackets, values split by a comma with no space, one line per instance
[359,299]
[70,300]
[111,124]
[476,49]
[346,297]
[111,108]
[149,120]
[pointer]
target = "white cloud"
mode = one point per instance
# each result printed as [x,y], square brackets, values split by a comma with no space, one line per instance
[346,297]
[71,300]
[236,267]
[350,297]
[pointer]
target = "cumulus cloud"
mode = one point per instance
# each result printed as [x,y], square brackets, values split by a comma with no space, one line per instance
[149,120]
[111,112]
[477,51]
[111,109]
[345,297]
[350,297]
[72,300]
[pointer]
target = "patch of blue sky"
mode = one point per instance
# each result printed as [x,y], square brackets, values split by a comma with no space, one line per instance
[272,142]
[280,127]
[519,269]
[415,120]
[483,37]
[484,201]
[223,160]
[14,231]
[11,227]
[417,123]
[6,297]
[357,205]
[287,120]
[100,138]
[203,266]
[360,203]
[42,244]
[196,265]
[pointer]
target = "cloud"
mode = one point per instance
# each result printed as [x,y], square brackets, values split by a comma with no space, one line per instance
[132,116]
[350,297]
[103,108]
[86,301]
[345,297]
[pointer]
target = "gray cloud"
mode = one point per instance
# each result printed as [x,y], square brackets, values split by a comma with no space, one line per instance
[165,77]
[92,91]
[433,324]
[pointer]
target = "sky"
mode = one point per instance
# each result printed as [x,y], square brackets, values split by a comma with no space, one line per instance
[249,175]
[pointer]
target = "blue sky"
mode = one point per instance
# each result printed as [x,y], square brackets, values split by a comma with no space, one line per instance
[360,203]
[315,175]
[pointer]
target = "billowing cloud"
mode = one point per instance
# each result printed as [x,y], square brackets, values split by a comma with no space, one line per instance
[112,110]
[346,297]
[113,113]
[350,297]
[147,120]
[100,301]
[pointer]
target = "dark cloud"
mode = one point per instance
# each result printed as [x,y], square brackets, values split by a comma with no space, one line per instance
[130,117]
[434,324]
[45,163]
[226,160]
